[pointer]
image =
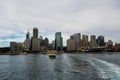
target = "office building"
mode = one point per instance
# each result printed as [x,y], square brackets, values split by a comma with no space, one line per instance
[100,41]
[41,41]
[117,47]
[19,47]
[110,44]
[76,38]
[58,41]
[35,33]
[46,42]
[92,41]
[27,42]
[35,41]
[74,42]
[13,47]
[16,48]
[70,45]
[53,45]
[84,41]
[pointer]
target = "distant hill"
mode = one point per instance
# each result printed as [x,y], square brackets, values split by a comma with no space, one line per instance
[4,49]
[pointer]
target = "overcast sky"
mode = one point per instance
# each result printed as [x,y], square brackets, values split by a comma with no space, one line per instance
[90,17]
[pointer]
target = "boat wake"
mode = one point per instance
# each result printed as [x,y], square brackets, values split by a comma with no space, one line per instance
[106,70]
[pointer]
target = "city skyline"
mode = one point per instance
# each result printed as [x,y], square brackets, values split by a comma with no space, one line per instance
[69,16]
[75,36]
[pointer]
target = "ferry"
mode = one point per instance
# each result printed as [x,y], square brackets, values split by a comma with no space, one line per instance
[52,53]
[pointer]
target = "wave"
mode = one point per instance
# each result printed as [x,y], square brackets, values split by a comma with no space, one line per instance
[106,70]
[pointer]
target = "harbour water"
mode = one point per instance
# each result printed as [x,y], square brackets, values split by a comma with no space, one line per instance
[74,66]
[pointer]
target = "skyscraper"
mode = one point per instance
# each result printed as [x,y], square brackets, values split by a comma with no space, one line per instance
[46,42]
[100,41]
[35,33]
[93,41]
[58,41]
[70,45]
[27,42]
[53,45]
[35,41]
[85,41]
[110,44]
[28,35]
[76,37]
[41,41]
[74,42]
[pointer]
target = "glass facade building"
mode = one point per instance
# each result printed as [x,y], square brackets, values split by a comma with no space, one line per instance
[58,41]
[101,41]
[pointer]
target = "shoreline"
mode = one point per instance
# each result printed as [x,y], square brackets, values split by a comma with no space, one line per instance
[66,53]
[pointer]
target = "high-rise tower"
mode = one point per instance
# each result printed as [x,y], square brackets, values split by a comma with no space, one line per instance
[35,41]
[27,42]
[28,35]
[74,42]
[100,41]
[84,42]
[35,33]
[58,41]
[93,41]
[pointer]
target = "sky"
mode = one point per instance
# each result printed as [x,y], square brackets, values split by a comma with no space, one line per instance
[90,17]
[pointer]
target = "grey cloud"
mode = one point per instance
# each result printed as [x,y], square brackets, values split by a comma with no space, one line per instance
[67,16]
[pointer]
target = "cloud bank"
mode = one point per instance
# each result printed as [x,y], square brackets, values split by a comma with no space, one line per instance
[68,16]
